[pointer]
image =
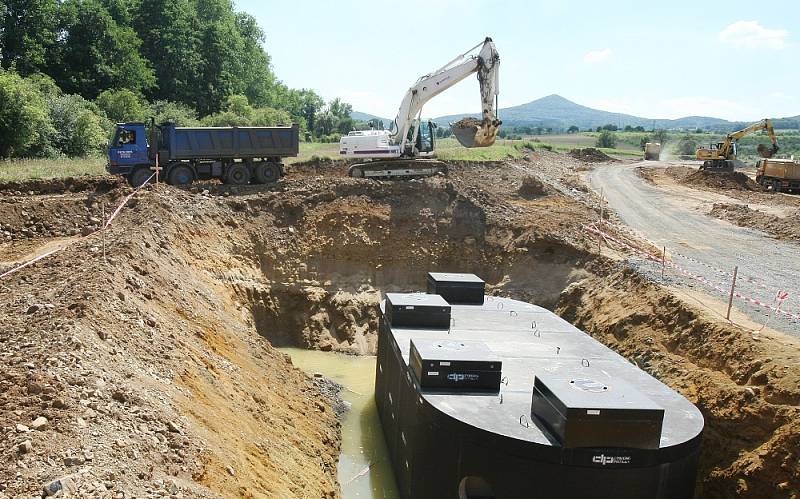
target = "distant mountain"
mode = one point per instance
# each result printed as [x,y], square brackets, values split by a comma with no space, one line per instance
[557,112]
[358,116]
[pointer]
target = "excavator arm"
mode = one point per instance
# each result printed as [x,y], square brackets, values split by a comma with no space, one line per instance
[765,124]
[478,133]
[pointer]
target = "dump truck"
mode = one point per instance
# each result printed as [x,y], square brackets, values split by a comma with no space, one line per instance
[235,155]
[652,151]
[779,174]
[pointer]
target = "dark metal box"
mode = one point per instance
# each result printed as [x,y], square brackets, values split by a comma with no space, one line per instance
[457,288]
[417,310]
[582,412]
[455,365]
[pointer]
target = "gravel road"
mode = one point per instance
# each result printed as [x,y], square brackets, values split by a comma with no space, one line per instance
[667,217]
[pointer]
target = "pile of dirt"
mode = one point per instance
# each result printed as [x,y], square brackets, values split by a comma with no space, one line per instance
[531,188]
[747,388]
[590,155]
[156,370]
[744,216]
[467,122]
[730,181]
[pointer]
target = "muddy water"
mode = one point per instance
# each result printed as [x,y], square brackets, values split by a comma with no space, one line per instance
[364,468]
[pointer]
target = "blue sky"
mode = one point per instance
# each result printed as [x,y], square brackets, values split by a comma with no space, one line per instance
[730,59]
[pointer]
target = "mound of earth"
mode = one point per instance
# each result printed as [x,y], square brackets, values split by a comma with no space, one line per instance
[531,188]
[155,369]
[590,155]
[744,216]
[730,181]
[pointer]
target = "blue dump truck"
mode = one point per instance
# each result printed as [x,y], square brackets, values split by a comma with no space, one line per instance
[236,155]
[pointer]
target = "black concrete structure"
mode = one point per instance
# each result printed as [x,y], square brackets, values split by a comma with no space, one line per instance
[457,288]
[571,418]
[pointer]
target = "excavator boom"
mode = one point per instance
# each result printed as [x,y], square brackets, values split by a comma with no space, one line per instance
[722,156]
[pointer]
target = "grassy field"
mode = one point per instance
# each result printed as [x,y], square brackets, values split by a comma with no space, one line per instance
[20,169]
[446,149]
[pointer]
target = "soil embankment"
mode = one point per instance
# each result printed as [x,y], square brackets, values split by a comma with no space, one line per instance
[156,372]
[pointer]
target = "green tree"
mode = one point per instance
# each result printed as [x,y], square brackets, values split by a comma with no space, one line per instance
[96,53]
[687,145]
[573,129]
[660,136]
[122,105]
[607,139]
[79,128]
[170,41]
[175,112]
[24,120]
[27,31]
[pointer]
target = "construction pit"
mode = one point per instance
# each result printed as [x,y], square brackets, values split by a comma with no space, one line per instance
[145,361]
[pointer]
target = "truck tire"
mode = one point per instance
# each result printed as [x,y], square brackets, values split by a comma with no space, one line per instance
[237,174]
[267,173]
[180,175]
[139,175]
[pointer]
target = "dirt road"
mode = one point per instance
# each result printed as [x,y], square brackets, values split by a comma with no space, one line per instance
[667,217]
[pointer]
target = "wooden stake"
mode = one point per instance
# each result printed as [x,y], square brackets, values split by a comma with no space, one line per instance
[663,262]
[103,229]
[730,298]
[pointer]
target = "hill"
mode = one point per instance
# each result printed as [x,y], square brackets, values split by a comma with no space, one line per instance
[554,111]
[557,112]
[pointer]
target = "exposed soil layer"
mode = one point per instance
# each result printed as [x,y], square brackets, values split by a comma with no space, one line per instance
[737,181]
[157,367]
[742,215]
[745,385]
[590,155]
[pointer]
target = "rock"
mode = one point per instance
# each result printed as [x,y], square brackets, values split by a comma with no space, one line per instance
[39,423]
[82,423]
[231,471]
[21,428]
[66,485]
[25,447]
[86,231]
[34,388]
[74,460]
[59,404]
[33,309]
[119,396]
[173,428]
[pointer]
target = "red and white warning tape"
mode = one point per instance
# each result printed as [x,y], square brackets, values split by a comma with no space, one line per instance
[82,238]
[719,287]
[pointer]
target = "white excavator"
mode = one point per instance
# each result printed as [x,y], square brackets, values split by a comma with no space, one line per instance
[407,148]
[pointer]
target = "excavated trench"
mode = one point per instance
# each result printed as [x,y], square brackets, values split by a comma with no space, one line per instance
[319,285]
[305,266]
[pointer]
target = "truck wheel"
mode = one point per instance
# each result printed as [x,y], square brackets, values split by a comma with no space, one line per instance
[237,174]
[139,175]
[267,173]
[180,175]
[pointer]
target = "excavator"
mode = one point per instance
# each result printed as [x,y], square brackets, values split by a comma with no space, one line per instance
[721,157]
[407,148]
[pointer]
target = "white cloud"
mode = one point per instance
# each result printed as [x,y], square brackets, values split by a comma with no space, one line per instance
[752,34]
[597,56]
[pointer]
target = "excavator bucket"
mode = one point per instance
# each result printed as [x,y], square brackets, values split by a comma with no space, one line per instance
[766,151]
[472,132]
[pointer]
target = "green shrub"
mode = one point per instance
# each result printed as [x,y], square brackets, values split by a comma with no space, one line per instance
[24,118]
[607,139]
[122,106]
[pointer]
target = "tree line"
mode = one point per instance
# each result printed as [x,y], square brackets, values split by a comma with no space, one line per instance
[70,68]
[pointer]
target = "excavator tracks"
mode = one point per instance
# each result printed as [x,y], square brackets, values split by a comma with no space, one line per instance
[404,168]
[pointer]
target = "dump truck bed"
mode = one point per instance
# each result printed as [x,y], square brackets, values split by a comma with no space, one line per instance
[185,143]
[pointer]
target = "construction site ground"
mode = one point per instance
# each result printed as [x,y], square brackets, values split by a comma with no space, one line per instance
[152,372]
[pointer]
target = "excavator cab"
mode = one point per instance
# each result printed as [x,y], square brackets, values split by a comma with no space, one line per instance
[426,138]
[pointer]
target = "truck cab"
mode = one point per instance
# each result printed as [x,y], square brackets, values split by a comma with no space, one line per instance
[129,149]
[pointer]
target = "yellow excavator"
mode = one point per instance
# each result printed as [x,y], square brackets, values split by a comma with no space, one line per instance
[721,157]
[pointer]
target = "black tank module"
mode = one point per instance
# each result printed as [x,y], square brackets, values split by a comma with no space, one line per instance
[565,417]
